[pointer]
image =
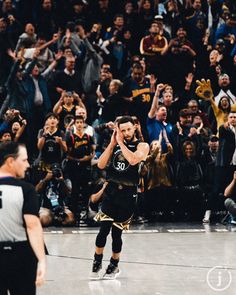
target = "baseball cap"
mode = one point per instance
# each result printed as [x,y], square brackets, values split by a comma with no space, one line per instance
[213,138]
[220,42]
[158,17]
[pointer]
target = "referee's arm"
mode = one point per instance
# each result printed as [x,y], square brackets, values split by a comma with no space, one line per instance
[35,235]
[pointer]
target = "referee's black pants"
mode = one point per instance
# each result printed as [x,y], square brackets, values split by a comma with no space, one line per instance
[18,267]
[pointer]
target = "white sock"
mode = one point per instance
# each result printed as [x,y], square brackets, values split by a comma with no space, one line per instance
[207,214]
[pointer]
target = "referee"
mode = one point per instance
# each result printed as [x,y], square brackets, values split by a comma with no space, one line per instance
[22,256]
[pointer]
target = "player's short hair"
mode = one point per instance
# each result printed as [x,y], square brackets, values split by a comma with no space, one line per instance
[125,119]
[9,149]
[137,65]
[53,115]
[79,118]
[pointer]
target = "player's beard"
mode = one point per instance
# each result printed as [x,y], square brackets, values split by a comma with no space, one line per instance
[129,140]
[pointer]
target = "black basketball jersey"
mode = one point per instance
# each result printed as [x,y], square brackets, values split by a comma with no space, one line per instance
[51,151]
[80,146]
[64,113]
[119,169]
[17,198]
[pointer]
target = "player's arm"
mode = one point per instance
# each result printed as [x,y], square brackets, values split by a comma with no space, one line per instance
[135,157]
[106,155]
[155,102]
[35,234]
[94,198]
[231,187]
[57,109]
[61,141]
[90,156]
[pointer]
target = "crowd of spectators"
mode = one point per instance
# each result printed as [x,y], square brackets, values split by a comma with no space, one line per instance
[69,68]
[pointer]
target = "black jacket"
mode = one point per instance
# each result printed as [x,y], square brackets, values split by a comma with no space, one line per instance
[226,146]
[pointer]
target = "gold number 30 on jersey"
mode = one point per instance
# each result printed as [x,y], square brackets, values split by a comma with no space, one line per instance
[146,97]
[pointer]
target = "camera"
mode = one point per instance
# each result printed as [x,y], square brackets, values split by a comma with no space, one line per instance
[59,213]
[56,171]
[56,207]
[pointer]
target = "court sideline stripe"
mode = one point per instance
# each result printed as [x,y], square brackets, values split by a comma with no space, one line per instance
[144,263]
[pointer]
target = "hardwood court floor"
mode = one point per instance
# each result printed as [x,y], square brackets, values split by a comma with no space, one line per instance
[158,259]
